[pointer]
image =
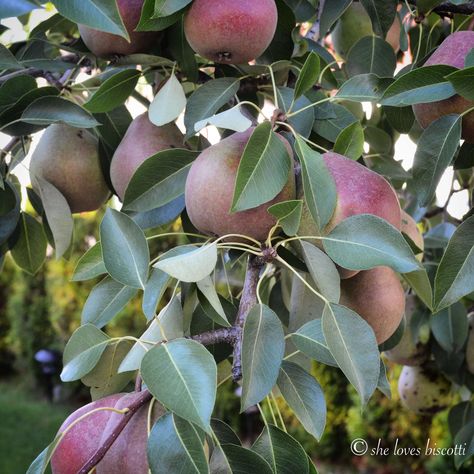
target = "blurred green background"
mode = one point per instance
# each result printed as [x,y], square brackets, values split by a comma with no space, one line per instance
[41,311]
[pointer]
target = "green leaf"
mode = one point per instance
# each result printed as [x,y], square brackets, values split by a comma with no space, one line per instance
[207,100]
[463,82]
[57,212]
[194,265]
[382,13]
[420,86]
[168,104]
[90,265]
[455,274]
[323,271]
[168,325]
[182,375]
[310,340]
[181,51]
[229,458]
[309,74]
[464,438]
[105,301]
[350,142]
[284,454]
[329,128]
[16,8]
[363,88]
[331,12]
[371,54]
[207,289]
[318,184]
[7,59]
[113,92]
[265,160]
[450,327]
[147,23]
[263,346]
[365,241]
[400,118]
[101,15]
[303,121]
[29,249]
[224,433]
[305,397]
[420,283]
[288,214]
[383,384]
[9,211]
[232,119]
[83,352]
[434,153]
[154,290]
[124,249]
[165,8]
[159,180]
[50,109]
[352,343]
[175,444]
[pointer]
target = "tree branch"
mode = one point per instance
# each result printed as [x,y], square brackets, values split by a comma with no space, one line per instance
[145,397]
[447,8]
[247,301]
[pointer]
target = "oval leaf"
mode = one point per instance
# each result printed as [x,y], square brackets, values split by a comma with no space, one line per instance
[168,103]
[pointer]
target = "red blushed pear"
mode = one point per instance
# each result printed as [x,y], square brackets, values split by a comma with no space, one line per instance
[128,453]
[359,191]
[451,52]
[142,140]
[104,44]
[229,31]
[377,296]
[210,190]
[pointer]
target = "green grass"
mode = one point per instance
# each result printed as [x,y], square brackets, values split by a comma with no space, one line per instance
[27,426]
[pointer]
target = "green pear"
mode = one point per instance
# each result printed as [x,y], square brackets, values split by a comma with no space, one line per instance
[210,189]
[142,140]
[68,158]
[377,296]
[423,390]
[104,44]
[452,52]
[231,32]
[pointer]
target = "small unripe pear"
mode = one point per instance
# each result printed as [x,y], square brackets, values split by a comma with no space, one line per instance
[452,52]
[229,31]
[407,351]
[68,158]
[423,390]
[104,44]
[354,24]
[470,345]
[142,140]
[210,190]
[377,296]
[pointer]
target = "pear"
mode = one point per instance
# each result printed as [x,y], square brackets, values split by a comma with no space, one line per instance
[423,390]
[68,158]
[210,189]
[104,44]
[142,140]
[377,296]
[231,32]
[452,52]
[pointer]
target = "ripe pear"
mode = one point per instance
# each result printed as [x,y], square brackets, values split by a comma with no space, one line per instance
[353,25]
[410,228]
[470,345]
[128,453]
[423,390]
[210,189]
[407,352]
[104,44]
[142,140]
[452,52]
[68,158]
[231,32]
[377,296]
